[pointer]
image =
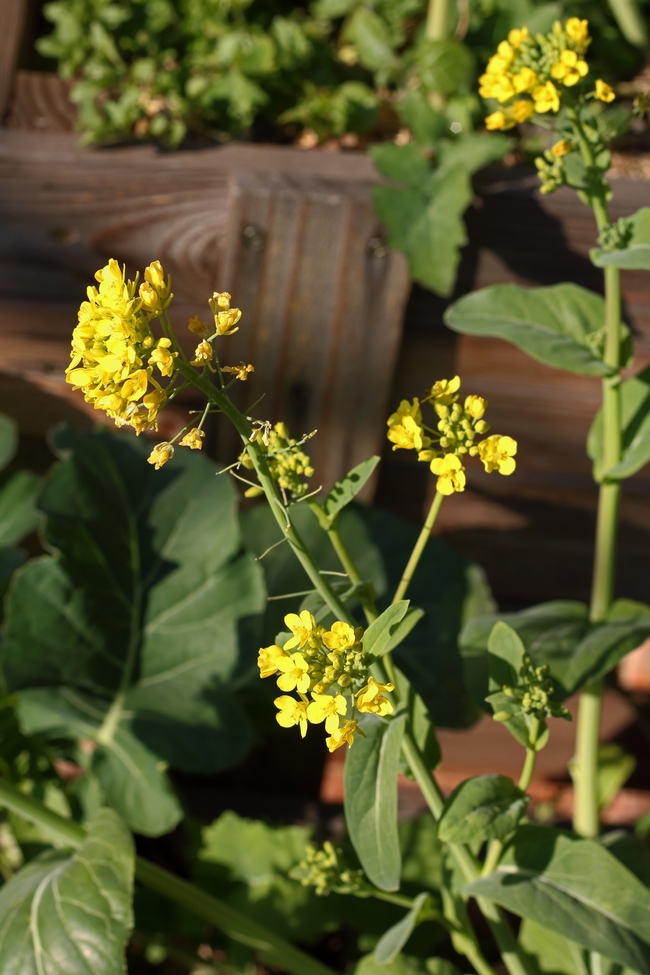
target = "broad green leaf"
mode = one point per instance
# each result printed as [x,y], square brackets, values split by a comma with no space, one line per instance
[615,767]
[442,66]
[371,769]
[604,646]
[404,164]
[8,440]
[473,151]
[576,888]
[505,659]
[634,257]
[402,630]
[487,807]
[71,912]
[631,22]
[561,326]
[420,724]
[426,124]
[18,514]
[554,954]
[135,627]
[635,417]
[421,852]
[402,965]
[428,227]
[348,487]
[380,632]
[371,37]
[392,942]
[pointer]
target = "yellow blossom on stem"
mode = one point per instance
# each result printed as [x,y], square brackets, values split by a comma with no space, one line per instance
[239,372]
[475,406]
[498,454]
[522,110]
[160,454]
[524,80]
[405,430]
[546,98]
[342,636]
[327,708]
[150,299]
[371,700]
[561,148]
[604,92]
[444,391]
[291,712]
[517,36]
[267,659]
[450,472]
[569,69]
[294,671]
[225,317]
[155,278]
[344,735]
[577,30]
[163,358]
[305,629]
[193,439]
[498,121]
[202,354]
[198,327]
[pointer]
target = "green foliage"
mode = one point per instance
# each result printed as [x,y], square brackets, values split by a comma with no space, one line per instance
[487,807]
[635,409]
[575,888]
[371,772]
[71,911]
[392,942]
[345,490]
[561,326]
[383,631]
[130,635]
[630,248]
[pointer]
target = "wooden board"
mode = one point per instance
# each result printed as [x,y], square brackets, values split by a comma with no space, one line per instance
[12,19]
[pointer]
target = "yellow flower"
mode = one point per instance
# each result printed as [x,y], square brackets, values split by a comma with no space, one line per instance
[198,327]
[561,148]
[546,98]
[497,454]
[505,52]
[150,298]
[294,673]
[522,110]
[267,660]
[475,406]
[160,454]
[155,277]
[344,735]
[405,427]
[291,712]
[305,629]
[327,708]
[604,92]
[517,36]
[444,391]
[370,699]
[499,120]
[193,439]
[239,372]
[569,69]
[342,636]
[577,30]
[153,401]
[202,354]
[225,317]
[163,358]
[450,473]
[524,80]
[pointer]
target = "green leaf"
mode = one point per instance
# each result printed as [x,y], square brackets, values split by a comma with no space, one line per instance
[71,912]
[371,769]
[561,326]
[487,807]
[391,943]
[134,629]
[377,637]
[428,227]
[404,164]
[634,257]
[635,418]
[443,66]
[421,852]
[402,965]
[348,487]
[605,645]
[426,124]
[420,725]
[18,514]
[8,440]
[402,630]
[372,39]
[576,888]
[473,151]
[615,767]
[553,954]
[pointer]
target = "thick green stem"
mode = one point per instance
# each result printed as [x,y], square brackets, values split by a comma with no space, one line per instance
[437,28]
[236,925]
[419,547]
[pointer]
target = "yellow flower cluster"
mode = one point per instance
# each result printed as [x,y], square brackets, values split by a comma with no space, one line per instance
[114,352]
[287,463]
[529,75]
[330,667]
[455,435]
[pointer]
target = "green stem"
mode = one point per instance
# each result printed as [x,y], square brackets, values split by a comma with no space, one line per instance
[236,925]
[437,28]
[418,548]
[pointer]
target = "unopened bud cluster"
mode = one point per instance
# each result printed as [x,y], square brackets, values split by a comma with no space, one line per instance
[325,869]
[535,691]
[288,464]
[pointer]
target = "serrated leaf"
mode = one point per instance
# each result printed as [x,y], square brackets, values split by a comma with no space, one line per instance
[134,627]
[561,326]
[635,419]
[487,807]
[71,912]
[391,943]
[371,770]
[576,888]
[377,637]
[345,490]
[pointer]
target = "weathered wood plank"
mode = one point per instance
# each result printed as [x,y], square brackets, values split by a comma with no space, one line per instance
[12,20]
[40,102]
